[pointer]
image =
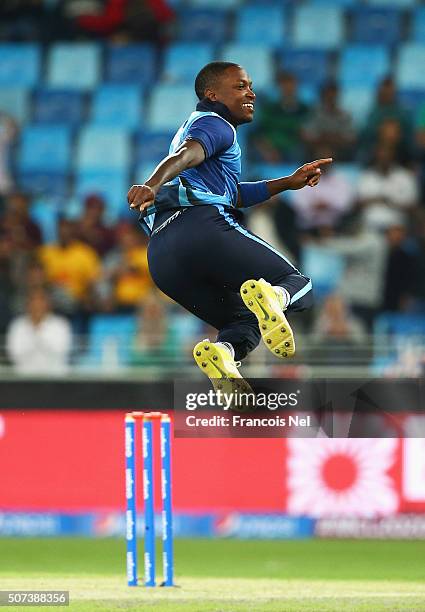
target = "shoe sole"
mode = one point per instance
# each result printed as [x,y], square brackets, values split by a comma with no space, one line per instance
[223,375]
[274,327]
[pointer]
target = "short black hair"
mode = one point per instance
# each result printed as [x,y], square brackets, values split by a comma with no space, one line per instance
[208,75]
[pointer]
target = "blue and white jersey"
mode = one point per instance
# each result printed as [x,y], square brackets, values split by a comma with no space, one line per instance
[214,181]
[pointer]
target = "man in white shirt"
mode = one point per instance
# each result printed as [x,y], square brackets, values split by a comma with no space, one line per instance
[39,342]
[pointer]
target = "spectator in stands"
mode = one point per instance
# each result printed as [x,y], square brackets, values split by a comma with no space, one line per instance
[72,268]
[39,342]
[362,283]
[279,134]
[7,285]
[8,133]
[91,228]
[403,270]
[420,142]
[23,232]
[330,126]
[320,211]
[336,331]
[386,189]
[399,125]
[125,280]
[155,342]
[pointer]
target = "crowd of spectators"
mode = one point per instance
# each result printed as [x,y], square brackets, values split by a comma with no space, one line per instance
[368,211]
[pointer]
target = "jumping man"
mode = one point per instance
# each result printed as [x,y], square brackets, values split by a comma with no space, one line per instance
[200,252]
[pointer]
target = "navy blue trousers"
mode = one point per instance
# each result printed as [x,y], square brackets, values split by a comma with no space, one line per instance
[202,257]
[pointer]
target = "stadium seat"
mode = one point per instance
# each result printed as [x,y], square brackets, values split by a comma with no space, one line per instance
[216,3]
[200,24]
[74,66]
[59,106]
[372,25]
[151,147]
[324,266]
[170,105]
[317,26]
[52,184]
[261,24]
[418,25]
[183,61]
[358,102]
[100,148]
[117,105]
[111,185]
[393,333]
[14,101]
[132,64]
[310,66]
[256,59]
[363,65]
[45,148]
[395,3]
[409,75]
[110,339]
[342,3]
[19,64]
[412,100]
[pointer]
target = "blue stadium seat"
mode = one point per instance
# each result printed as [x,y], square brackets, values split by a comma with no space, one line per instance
[110,337]
[74,66]
[324,266]
[45,148]
[358,102]
[257,61]
[412,100]
[100,148]
[198,24]
[117,105]
[228,4]
[59,106]
[310,66]
[132,64]
[418,24]
[318,26]
[408,69]
[15,102]
[261,23]
[111,185]
[151,147]
[183,61]
[19,64]
[343,3]
[374,25]
[170,106]
[396,3]
[363,65]
[52,184]
[393,333]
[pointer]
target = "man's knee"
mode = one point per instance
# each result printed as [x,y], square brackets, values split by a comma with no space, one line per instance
[303,298]
[243,338]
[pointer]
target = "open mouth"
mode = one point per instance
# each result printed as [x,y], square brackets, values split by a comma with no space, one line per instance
[248,105]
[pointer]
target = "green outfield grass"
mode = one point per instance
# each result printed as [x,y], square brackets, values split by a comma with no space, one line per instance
[226,575]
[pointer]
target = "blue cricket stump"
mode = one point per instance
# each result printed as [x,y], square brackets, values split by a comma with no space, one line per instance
[148,496]
[167,513]
[130,491]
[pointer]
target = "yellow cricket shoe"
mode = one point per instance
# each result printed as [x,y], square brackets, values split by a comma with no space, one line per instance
[265,302]
[216,361]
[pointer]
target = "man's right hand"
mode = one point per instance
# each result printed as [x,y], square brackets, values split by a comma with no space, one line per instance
[141,196]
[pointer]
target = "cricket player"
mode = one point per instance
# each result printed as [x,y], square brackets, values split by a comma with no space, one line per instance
[200,252]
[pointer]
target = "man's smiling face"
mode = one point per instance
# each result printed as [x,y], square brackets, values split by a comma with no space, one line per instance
[234,89]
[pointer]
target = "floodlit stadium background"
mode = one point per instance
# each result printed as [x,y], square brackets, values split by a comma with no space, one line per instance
[90,96]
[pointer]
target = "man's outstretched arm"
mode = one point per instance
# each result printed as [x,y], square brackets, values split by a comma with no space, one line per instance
[188,155]
[308,174]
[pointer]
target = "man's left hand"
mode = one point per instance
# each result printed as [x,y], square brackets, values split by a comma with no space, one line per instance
[308,174]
